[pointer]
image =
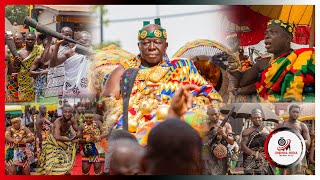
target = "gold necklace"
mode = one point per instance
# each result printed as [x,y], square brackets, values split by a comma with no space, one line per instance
[20,132]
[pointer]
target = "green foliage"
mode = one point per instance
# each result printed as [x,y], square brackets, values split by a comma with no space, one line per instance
[17,13]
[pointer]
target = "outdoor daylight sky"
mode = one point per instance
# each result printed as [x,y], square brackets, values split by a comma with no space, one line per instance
[201,22]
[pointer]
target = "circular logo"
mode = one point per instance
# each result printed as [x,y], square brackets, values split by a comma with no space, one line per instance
[165,34]
[157,33]
[143,34]
[285,147]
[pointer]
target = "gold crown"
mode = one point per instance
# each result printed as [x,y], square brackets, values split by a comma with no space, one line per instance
[16,119]
[88,115]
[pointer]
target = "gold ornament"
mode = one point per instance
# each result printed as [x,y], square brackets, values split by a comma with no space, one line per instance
[157,33]
[165,34]
[143,34]
[154,74]
[220,151]
[162,111]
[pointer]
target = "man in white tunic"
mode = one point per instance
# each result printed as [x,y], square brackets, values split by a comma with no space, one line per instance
[75,68]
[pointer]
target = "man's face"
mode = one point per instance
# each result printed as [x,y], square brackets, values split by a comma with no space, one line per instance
[17,38]
[85,39]
[256,119]
[16,125]
[43,110]
[213,115]
[67,113]
[30,40]
[294,113]
[276,39]
[89,120]
[67,32]
[152,50]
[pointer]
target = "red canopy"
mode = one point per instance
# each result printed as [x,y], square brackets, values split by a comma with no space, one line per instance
[244,16]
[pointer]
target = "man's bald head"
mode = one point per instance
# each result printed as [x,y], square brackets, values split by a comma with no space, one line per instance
[18,40]
[151,27]
[66,28]
[126,157]
[213,115]
[67,32]
[43,109]
[214,109]
[17,35]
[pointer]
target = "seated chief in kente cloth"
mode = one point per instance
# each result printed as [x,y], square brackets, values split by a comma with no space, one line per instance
[138,92]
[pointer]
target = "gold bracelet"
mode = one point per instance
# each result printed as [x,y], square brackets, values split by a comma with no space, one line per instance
[98,173]
[86,173]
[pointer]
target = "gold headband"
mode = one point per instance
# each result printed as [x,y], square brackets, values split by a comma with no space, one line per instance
[88,115]
[16,119]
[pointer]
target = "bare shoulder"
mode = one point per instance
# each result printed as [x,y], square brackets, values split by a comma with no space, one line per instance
[228,125]
[303,126]
[73,120]
[57,122]
[115,75]
[247,132]
[99,123]
[27,129]
[119,70]
[8,129]
[21,50]
[36,60]
[81,126]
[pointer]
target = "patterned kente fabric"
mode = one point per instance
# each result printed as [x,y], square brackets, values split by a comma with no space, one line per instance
[246,64]
[26,87]
[155,86]
[12,88]
[17,154]
[291,77]
[76,79]
[90,152]
[57,158]
[12,84]
[55,78]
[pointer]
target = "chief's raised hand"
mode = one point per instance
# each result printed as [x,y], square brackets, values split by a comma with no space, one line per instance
[181,100]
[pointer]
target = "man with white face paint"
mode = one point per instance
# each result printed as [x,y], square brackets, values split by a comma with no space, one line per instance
[252,145]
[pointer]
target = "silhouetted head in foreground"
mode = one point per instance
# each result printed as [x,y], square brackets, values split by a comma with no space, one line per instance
[174,148]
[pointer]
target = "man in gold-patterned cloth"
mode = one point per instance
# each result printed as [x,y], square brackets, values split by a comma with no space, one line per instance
[151,79]
[16,150]
[27,55]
